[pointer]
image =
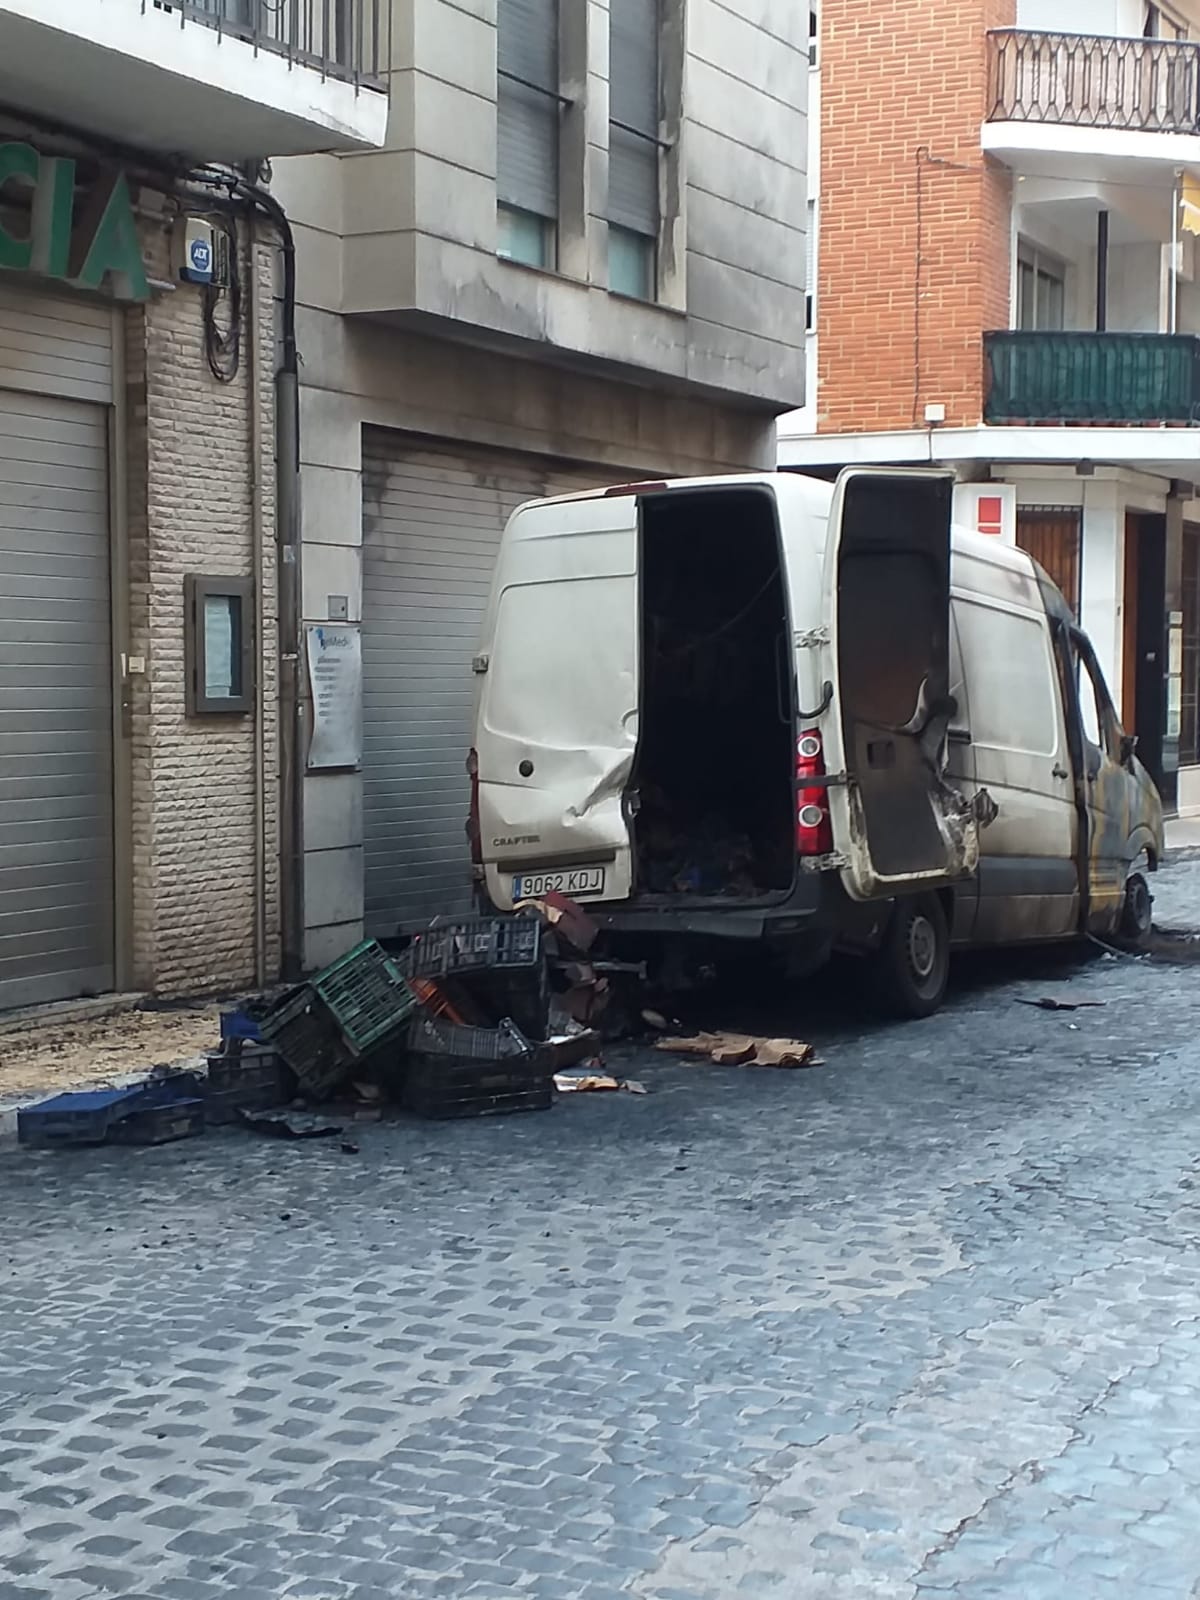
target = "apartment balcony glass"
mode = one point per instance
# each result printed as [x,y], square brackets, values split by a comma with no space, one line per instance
[1085,81]
[1092,377]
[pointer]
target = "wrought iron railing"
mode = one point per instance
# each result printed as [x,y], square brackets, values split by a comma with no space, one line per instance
[1092,377]
[345,39]
[1147,85]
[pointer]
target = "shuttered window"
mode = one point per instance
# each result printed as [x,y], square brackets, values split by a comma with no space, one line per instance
[633,99]
[528,102]
[810,270]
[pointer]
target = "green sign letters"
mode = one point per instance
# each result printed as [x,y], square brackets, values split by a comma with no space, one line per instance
[101,243]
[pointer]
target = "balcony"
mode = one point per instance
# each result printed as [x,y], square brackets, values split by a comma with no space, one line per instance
[1083,106]
[216,80]
[1080,81]
[1095,378]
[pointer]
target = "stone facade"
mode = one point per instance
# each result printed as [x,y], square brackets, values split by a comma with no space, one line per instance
[204,827]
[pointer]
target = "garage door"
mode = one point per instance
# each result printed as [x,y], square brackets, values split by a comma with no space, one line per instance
[432,521]
[56,826]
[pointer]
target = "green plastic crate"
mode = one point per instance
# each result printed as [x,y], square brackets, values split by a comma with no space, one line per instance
[367,995]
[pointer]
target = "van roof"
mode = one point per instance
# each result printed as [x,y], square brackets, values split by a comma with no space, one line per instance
[815,494]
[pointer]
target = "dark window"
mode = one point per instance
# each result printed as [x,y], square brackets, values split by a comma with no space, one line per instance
[633,146]
[527,126]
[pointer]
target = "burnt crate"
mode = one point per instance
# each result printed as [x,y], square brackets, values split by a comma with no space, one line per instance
[323,1028]
[253,1079]
[454,1071]
[90,1116]
[177,1119]
[475,944]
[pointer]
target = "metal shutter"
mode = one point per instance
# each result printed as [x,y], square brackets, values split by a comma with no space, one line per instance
[50,346]
[432,520]
[527,105]
[56,755]
[633,115]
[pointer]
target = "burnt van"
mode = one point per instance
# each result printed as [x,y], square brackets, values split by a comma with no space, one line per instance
[769,709]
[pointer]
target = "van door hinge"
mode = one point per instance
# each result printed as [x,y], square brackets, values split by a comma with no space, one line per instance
[480,664]
[810,638]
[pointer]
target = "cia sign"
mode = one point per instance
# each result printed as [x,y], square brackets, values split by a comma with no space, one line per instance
[90,246]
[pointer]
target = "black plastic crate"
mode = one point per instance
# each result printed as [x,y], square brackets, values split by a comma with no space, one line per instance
[452,1041]
[445,1087]
[176,1119]
[253,1080]
[309,1040]
[475,944]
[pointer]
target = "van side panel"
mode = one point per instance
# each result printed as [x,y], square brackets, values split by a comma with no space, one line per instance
[1028,877]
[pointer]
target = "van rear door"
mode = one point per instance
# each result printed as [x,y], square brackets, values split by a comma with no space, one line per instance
[557,722]
[897,820]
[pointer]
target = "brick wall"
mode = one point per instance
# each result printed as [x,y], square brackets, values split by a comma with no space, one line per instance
[903,92]
[191,484]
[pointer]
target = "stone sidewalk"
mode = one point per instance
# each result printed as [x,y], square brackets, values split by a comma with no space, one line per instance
[918,1322]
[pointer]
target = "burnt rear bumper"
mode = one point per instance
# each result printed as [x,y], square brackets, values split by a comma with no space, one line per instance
[802,911]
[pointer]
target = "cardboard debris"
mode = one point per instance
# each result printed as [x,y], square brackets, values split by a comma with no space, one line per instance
[595,1083]
[739,1049]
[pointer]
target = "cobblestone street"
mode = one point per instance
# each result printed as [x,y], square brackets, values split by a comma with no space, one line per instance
[922,1321]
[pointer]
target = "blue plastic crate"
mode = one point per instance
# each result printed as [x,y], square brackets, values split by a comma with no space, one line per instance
[87,1116]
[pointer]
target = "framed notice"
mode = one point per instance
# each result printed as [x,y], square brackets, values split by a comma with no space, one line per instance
[334,652]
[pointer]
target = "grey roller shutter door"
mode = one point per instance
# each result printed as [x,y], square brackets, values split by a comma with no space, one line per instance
[432,520]
[527,106]
[56,753]
[633,114]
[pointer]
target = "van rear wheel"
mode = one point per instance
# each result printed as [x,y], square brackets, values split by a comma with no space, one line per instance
[1137,914]
[912,965]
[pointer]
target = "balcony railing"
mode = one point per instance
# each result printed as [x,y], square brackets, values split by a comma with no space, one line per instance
[344,39]
[1092,377]
[1141,85]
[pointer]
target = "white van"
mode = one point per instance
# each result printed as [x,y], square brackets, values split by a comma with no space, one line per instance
[767,708]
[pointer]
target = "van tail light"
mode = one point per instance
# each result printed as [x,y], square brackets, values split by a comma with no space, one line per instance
[474,828]
[814,831]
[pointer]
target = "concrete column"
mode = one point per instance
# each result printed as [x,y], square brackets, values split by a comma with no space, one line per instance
[1102,568]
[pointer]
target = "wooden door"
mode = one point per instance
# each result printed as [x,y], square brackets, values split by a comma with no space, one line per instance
[1052,535]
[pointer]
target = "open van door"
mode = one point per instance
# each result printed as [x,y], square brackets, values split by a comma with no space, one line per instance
[557,719]
[897,819]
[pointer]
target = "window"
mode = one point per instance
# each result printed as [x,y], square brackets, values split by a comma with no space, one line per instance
[217,634]
[1100,727]
[1041,290]
[1010,679]
[633,147]
[631,263]
[527,128]
[814,35]
[810,271]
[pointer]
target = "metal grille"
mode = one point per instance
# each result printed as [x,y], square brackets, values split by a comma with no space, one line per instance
[346,39]
[1148,85]
[1092,377]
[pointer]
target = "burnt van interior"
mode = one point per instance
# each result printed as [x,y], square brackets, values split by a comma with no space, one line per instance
[714,767]
[894,663]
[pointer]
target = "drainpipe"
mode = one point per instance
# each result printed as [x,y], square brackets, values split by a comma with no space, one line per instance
[1102,272]
[258,542]
[291,703]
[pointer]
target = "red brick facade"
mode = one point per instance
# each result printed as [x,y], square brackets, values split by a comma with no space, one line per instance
[914,223]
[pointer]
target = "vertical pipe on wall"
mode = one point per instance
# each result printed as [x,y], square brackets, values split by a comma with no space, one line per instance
[257,557]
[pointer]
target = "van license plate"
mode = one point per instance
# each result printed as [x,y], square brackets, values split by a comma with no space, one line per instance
[575,882]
